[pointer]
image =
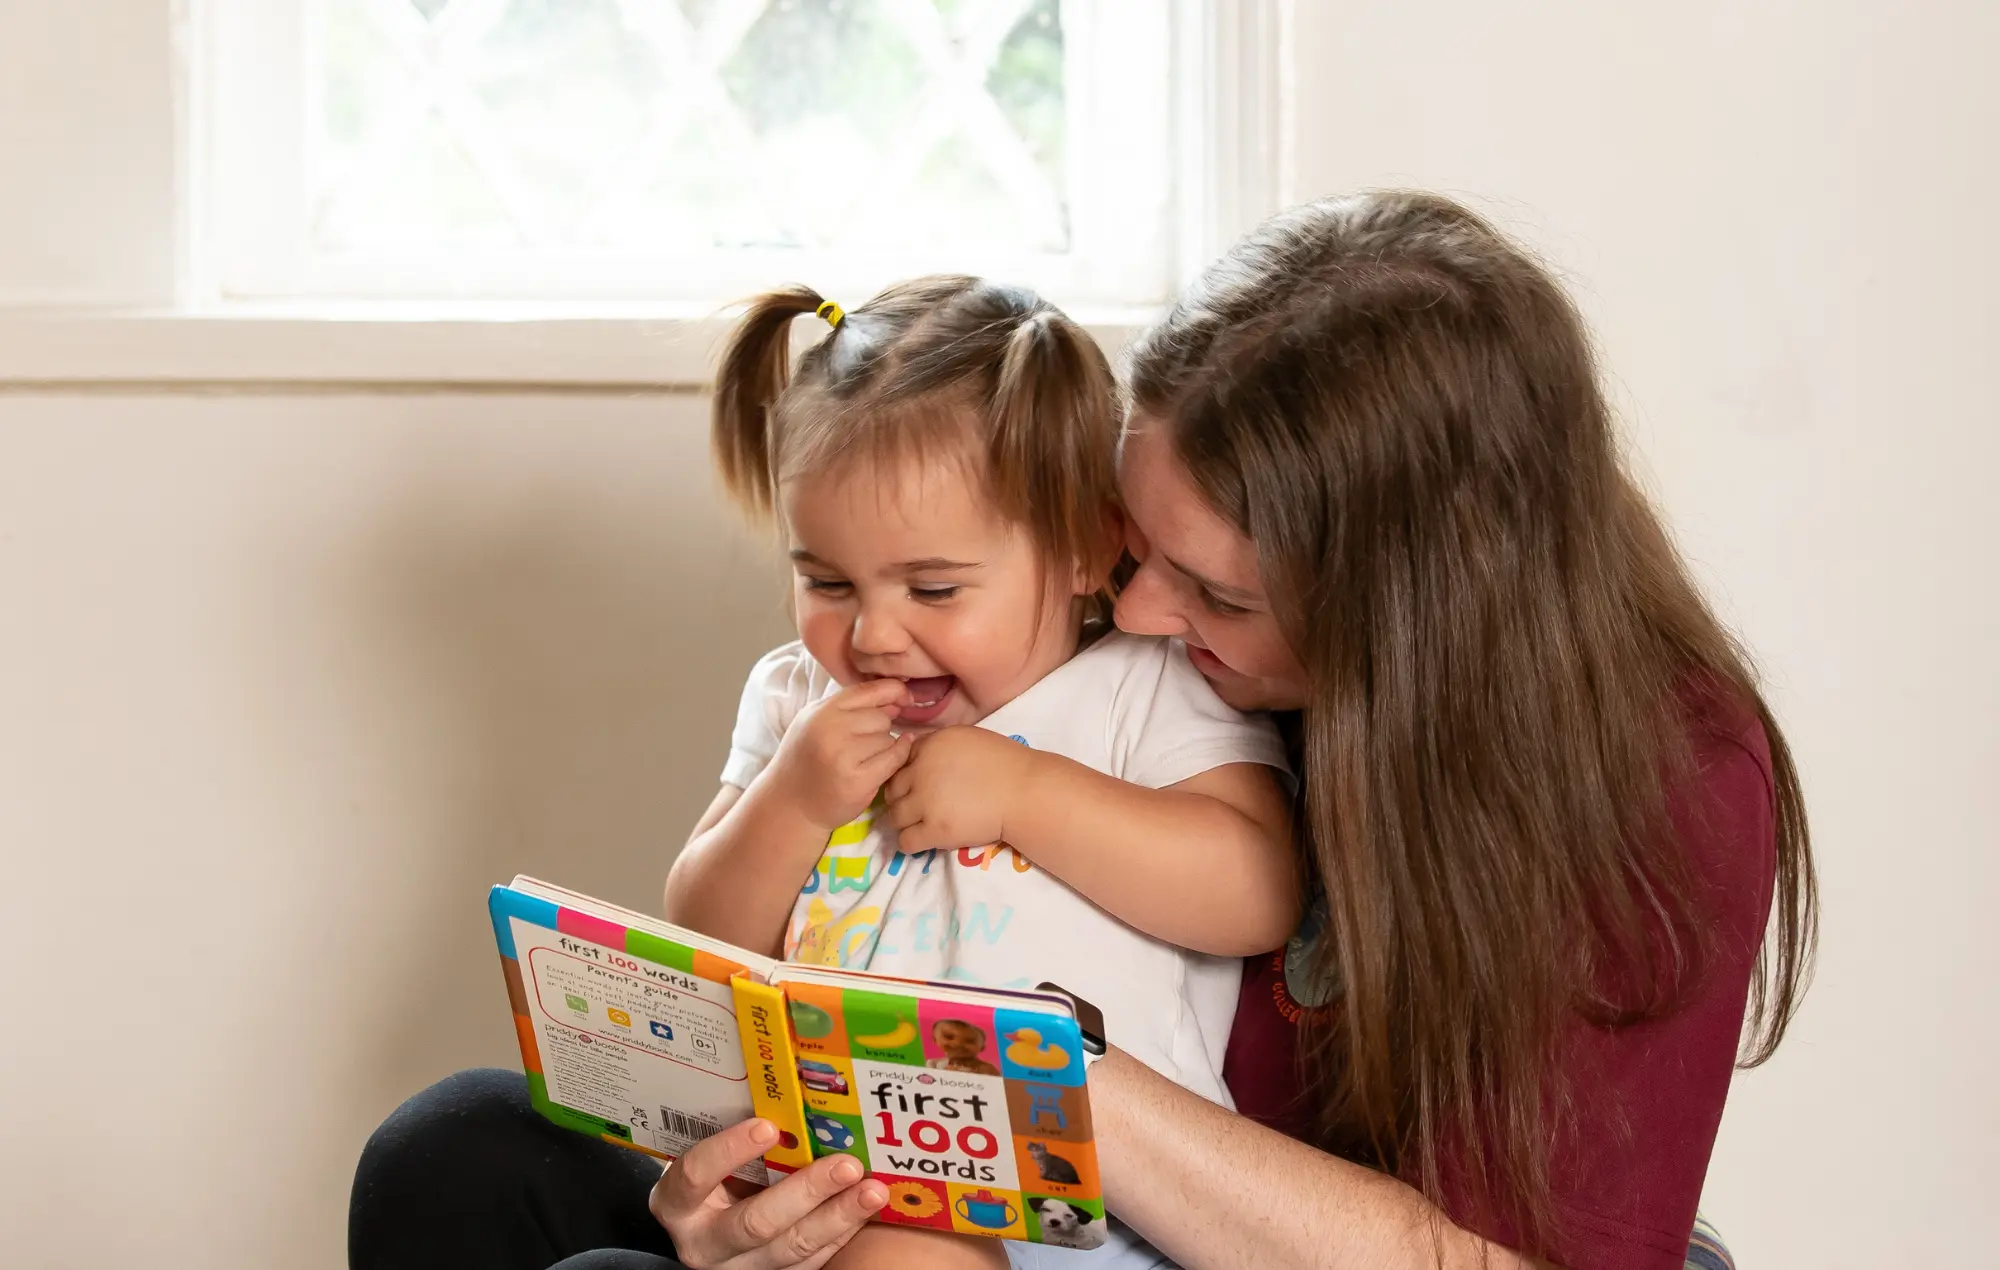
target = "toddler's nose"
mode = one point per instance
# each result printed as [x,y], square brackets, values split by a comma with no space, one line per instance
[876,634]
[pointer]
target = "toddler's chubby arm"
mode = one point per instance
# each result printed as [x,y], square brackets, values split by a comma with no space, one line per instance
[1206,864]
[879,1247]
[744,863]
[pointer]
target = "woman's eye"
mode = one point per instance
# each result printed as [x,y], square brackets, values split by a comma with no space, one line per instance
[827,586]
[933,594]
[1219,606]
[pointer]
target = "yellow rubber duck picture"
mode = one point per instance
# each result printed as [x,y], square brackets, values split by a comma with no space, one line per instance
[1026,1048]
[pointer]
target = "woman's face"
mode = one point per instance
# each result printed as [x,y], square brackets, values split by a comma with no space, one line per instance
[1198,580]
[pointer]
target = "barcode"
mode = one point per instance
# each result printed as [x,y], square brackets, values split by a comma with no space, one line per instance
[691,1128]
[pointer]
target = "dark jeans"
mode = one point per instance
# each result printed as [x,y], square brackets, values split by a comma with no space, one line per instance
[467,1176]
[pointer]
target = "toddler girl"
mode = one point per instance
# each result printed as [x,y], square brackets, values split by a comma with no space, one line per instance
[958,771]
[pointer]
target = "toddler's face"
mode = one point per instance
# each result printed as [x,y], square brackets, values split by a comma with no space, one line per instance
[959,1040]
[904,572]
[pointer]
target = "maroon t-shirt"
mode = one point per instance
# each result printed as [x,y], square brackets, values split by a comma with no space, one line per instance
[1627,1184]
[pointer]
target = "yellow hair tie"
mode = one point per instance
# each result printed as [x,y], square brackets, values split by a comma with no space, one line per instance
[832,313]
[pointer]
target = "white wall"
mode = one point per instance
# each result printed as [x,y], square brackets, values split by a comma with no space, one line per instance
[287,676]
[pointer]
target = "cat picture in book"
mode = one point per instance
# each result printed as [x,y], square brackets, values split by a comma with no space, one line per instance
[1052,1167]
[962,1044]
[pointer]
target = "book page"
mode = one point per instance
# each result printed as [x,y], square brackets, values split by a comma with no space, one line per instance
[647,1048]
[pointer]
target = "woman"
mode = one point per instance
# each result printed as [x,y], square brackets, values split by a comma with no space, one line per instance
[1373,483]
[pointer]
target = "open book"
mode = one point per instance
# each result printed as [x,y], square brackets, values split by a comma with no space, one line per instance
[967,1102]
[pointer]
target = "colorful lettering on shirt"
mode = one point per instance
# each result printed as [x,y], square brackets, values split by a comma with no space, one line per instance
[981,858]
[853,939]
[825,940]
[896,863]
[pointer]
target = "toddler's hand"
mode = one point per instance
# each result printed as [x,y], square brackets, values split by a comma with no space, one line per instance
[957,788]
[839,750]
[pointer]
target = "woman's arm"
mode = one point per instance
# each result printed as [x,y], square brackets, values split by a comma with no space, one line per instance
[1206,864]
[1216,1191]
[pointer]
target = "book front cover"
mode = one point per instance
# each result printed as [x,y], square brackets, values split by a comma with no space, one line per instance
[975,1116]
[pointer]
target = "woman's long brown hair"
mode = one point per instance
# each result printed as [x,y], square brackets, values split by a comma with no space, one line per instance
[1505,656]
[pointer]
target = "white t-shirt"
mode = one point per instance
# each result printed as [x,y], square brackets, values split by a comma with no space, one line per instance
[1129,706]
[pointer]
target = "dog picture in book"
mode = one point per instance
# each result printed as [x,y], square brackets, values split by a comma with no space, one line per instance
[1067,1225]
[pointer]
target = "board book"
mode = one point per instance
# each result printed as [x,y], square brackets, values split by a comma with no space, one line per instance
[968,1103]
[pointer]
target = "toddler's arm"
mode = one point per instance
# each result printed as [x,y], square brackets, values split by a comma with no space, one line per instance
[742,867]
[744,863]
[1206,864]
[879,1247]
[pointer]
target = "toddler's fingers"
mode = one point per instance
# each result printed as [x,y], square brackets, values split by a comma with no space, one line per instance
[873,694]
[901,813]
[917,836]
[895,760]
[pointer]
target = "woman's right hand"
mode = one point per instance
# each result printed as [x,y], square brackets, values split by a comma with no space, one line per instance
[797,1224]
[840,750]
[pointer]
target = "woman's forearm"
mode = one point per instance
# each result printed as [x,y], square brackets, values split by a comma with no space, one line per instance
[1216,1191]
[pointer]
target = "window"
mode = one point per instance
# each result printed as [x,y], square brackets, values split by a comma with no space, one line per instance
[690,150]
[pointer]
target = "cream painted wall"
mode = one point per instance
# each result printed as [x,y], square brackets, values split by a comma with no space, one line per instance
[89,214]
[285,683]
[1776,215]
[322,664]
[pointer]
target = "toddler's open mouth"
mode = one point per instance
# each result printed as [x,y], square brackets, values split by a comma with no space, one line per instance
[928,698]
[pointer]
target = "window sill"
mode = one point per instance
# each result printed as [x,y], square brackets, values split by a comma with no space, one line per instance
[389,346]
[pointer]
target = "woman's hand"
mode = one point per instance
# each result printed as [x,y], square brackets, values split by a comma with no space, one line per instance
[798,1223]
[957,790]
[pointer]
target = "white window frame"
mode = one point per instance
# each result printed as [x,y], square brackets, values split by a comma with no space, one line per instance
[1231,145]
[247,112]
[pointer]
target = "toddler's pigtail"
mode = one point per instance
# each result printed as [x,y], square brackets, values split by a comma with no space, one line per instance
[1055,426]
[756,366]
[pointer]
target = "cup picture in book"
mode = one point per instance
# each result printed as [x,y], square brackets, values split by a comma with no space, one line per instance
[985,1210]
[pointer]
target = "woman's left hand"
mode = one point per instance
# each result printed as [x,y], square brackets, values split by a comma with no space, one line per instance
[957,789]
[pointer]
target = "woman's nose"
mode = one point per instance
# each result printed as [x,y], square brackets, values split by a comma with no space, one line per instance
[1147,605]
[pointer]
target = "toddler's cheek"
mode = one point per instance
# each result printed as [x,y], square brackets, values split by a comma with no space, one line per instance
[825,637]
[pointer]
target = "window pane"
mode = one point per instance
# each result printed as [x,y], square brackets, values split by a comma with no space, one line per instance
[668,126]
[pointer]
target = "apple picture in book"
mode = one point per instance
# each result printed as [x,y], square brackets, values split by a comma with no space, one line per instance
[809,1022]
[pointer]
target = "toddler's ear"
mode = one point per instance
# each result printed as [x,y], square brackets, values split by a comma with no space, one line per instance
[1095,560]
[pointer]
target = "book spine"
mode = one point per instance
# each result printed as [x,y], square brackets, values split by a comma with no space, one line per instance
[774,1070]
